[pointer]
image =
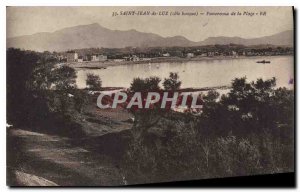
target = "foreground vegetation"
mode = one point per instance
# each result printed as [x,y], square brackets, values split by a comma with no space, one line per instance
[248,131]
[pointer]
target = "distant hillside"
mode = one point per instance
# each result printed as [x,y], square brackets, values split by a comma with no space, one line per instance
[284,38]
[94,35]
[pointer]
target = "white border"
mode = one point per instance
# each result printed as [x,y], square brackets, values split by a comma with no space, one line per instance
[5,3]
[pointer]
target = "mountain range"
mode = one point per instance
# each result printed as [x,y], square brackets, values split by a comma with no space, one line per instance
[94,35]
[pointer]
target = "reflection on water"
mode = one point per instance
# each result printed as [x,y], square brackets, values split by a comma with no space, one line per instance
[197,74]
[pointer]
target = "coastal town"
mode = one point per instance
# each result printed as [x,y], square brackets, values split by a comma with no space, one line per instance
[136,54]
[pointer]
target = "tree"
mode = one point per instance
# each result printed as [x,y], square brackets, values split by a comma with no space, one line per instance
[41,78]
[137,84]
[148,117]
[249,108]
[144,85]
[93,82]
[19,67]
[172,83]
[80,100]
[153,83]
[64,78]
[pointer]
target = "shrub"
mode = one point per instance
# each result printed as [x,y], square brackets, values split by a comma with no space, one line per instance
[147,84]
[64,78]
[93,82]
[172,83]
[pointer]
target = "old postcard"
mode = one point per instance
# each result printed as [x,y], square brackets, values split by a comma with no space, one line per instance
[116,96]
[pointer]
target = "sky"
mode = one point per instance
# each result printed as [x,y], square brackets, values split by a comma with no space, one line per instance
[31,20]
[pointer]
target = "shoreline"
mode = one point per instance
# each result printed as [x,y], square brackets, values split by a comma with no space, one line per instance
[104,64]
[188,89]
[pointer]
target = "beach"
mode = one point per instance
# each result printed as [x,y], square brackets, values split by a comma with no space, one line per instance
[109,63]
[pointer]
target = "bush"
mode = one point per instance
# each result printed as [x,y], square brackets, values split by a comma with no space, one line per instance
[147,84]
[236,157]
[93,82]
[64,78]
[172,83]
[247,132]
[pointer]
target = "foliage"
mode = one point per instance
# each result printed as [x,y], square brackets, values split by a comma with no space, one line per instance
[41,78]
[31,101]
[172,83]
[64,78]
[144,85]
[248,131]
[93,82]
[19,67]
[80,100]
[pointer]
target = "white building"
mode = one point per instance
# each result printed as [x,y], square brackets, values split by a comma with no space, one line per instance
[99,58]
[72,56]
[119,60]
[234,54]
[145,59]
[80,59]
[94,58]
[135,58]
[211,54]
[102,57]
[166,55]
[190,55]
[203,55]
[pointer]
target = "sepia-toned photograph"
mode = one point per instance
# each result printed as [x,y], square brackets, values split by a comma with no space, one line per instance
[128,96]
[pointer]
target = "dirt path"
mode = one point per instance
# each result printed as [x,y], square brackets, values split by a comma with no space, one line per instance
[55,159]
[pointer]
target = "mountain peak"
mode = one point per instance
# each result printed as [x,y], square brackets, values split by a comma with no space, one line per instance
[78,27]
[95,35]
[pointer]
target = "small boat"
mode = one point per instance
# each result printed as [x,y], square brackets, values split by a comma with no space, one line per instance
[263,62]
